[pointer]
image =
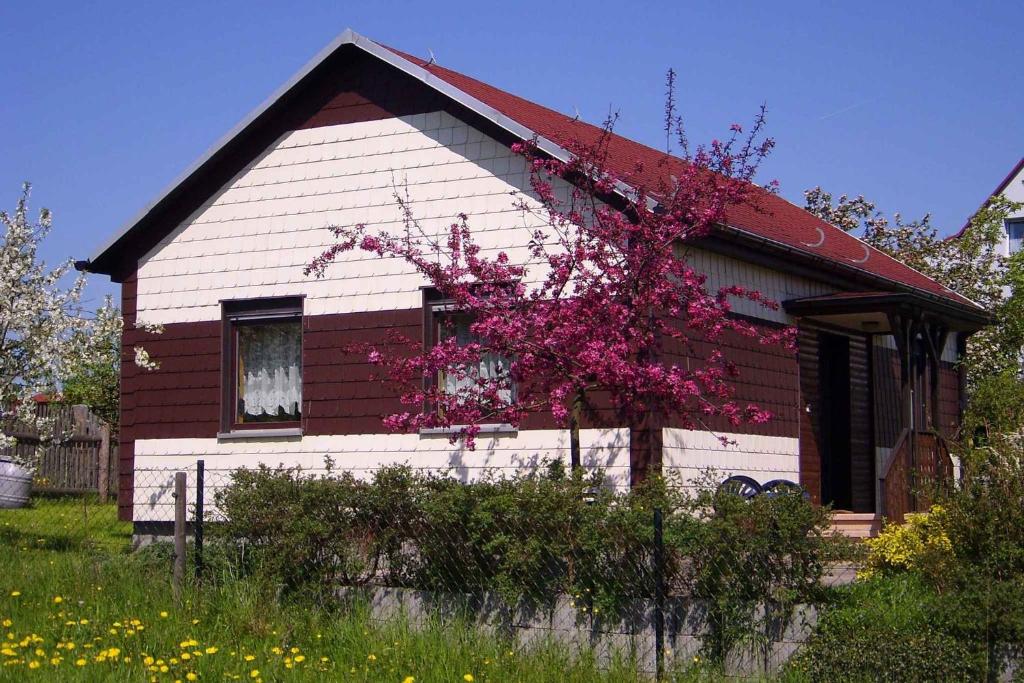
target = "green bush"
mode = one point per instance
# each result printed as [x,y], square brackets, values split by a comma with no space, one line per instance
[319,533]
[532,538]
[886,628]
[984,518]
[752,562]
[944,595]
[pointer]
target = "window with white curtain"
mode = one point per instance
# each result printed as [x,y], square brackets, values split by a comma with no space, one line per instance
[269,372]
[264,352]
[490,365]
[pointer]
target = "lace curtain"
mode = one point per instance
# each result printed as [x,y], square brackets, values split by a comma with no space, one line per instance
[491,364]
[270,372]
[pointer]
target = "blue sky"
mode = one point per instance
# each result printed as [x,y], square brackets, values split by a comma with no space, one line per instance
[917,105]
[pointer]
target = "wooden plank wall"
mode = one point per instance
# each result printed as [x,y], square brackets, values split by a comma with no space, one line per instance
[862,450]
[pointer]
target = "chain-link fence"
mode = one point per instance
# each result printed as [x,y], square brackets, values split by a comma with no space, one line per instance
[666,577]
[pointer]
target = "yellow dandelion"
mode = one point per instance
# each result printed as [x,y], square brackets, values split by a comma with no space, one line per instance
[294,650]
[300,658]
[55,661]
[372,657]
[191,676]
[211,650]
[163,615]
[408,679]
[15,594]
[80,662]
[57,599]
[7,623]
[83,622]
[255,673]
[147,660]
[468,678]
[249,658]
[33,664]
[276,650]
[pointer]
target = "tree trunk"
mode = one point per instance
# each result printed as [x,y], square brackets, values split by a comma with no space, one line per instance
[575,459]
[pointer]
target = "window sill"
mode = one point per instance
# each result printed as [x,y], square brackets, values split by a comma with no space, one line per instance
[259,434]
[497,429]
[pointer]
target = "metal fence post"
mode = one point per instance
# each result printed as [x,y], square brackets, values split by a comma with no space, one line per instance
[179,532]
[659,596]
[200,481]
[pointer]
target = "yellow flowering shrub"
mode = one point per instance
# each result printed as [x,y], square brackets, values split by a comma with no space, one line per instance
[920,545]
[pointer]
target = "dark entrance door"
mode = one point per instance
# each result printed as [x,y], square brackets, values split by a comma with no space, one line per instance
[834,374]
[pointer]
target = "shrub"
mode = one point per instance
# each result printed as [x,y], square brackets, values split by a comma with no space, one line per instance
[920,545]
[985,523]
[942,596]
[886,629]
[533,538]
[752,562]
[322,532]
[996,407]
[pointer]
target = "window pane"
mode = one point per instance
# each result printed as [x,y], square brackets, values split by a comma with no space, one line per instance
[491,364]
[269,372]
[1015,229]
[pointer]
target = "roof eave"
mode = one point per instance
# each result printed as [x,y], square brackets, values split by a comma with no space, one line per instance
[831,265]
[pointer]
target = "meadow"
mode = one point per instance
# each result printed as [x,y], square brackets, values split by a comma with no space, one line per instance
[72,613]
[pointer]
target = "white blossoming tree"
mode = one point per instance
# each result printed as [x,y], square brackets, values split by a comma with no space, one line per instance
[46,334]
[970,264]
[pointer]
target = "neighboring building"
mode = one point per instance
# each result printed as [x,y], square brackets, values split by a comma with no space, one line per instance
[218,259]
[1012,188]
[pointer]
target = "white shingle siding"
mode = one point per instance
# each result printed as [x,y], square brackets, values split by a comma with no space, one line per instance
[778,286]
[258,233]
[255,236]
[763,458]
[362,454]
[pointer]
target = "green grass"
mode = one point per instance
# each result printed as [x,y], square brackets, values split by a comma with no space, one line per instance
[64,522]
[72,615]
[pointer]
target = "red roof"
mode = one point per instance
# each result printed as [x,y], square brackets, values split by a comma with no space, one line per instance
[769,216]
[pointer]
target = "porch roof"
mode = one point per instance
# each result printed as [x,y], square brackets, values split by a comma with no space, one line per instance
[871,311]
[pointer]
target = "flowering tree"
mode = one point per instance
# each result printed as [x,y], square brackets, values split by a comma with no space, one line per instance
[45,333]
[579,321]
[970,264]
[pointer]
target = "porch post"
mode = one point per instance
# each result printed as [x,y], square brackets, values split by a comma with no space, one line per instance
[936,335]
[902,328]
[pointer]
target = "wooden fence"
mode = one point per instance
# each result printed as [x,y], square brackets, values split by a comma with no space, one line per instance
[81,460]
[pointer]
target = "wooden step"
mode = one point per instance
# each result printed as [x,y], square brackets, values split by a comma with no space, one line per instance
[856,524]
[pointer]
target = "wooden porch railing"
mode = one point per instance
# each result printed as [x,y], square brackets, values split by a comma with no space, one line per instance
[919,462]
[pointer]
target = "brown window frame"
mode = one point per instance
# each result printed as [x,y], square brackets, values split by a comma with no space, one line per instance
[436,311]
[239,313]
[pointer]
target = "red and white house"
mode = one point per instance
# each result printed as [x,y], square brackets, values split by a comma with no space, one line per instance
[251,362]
